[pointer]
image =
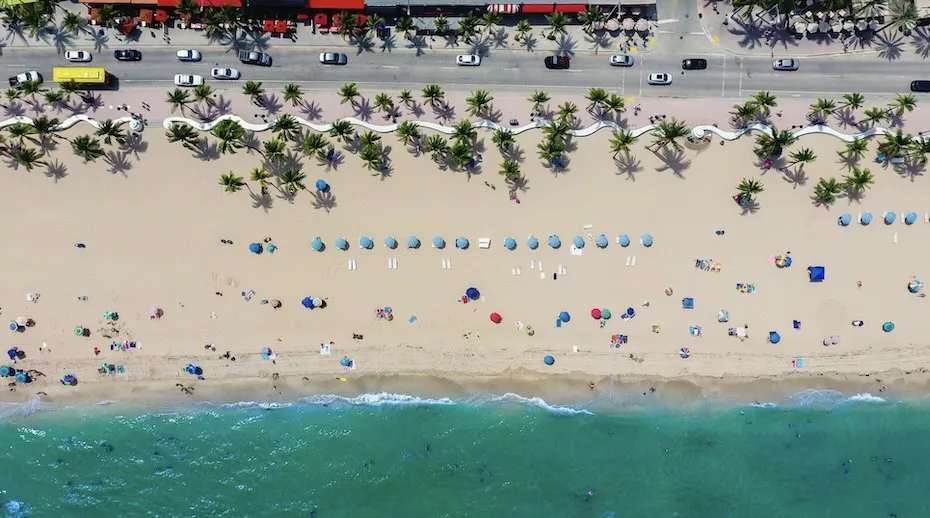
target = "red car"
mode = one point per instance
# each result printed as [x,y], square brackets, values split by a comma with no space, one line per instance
[557,62]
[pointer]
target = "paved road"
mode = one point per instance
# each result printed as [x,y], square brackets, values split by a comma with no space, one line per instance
[727,76]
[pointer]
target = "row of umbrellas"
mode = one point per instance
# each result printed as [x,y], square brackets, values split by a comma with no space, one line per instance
[888,217]
[462,243]
[836,26]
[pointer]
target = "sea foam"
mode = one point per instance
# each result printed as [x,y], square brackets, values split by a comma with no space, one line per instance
[815,397]
[538,402]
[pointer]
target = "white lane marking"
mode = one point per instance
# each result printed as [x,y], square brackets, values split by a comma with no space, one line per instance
[723,86]
[667,20]
[740,92]
[390,66]
[641,73]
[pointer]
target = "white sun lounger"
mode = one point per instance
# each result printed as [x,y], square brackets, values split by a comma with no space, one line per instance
[484,242]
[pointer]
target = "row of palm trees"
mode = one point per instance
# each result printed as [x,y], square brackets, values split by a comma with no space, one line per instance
[27,145]
[900,15]
[761,104]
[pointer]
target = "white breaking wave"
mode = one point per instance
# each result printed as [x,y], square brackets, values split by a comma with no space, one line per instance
[379,399]
[812,397]
[538,403]
[26,408]
[250,404]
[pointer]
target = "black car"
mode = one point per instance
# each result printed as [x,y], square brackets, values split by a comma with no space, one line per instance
[920,86]
[556,62]
[694,64]
[127,55]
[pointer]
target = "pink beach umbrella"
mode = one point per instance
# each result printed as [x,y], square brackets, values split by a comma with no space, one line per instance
[613,24]
[628,24]
[23,321]
[155,313]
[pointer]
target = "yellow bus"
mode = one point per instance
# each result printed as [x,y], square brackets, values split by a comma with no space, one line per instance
[81,75]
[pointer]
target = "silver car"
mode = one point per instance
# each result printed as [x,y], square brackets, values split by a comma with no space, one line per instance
[78,56]
[225,73]
[621,60]
[468,60]
[785,64]
[333,58]
[188,80]
[188,55]
[659,79]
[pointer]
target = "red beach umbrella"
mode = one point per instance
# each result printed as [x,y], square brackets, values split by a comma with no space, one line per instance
[496,318]
[596,314]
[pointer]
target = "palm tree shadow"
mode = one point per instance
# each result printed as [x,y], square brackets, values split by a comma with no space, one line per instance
[363,43]
[118,161]
[749,208]
[91,101]
[499,37]
[847,161]
[797,178]
[221,105]
[674,160]
[135,145]
[47,144]
[529,42]
[331,165]
[257,40]
[60,39]
[272,104]
[480,47]
[853,195]
[312,111]
[363,109]
[324,200]
[14,109]
[452,40]
[629,165]
[565,45]
[750,35]
[56,170]
[100,40]
[921,41]
[261,200]
[419,44]
[599,41]
[890,46]
[417,110]
[389,44]
[251,142]
[845,117]
[444,111]
[515,153]
[206,150]
[911,170]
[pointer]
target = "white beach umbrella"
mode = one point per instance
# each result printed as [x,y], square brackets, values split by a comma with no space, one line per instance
[800,27]
[613,24]
[628,24]
[812,28]
[861,25]
[642,25]
[808,14]
[824,27]
[873,24]
[848,26]
[836,27]
[841,12]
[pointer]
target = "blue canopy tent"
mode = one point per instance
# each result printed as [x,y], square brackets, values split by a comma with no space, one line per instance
[624,240]
[390,242]
[910,218]
[844,220]
[413,242]
[889,217]
[510,243]
[554,241]
[578,242]
[461,243]
[316,244]
[601,241]
[345,361]
[564,316]
[774,337]
[307,302]
[255,248]
[321,185]
[865,218]
[266,353]
[365,242]
[342,244]
[472,293]
[687,303]
[816,273]
[12,353]
[548,360]
[630,312]
[646,240]
[439,242]
[532,243]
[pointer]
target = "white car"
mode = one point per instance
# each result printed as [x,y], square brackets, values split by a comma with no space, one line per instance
[188,55]
[225,73]
[659,79]
[188,80]
[78,56]
[621,60]
[785,64]
[468,60]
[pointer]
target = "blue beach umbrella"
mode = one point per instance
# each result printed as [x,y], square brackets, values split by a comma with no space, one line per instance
[14,327]
[255,248]
[321,185]
[510,243]
[601,241]
[564,316]
[888,327]
[554,241]
[646,240]
[889,217]
[774,337]
[365,242]
[390,242]
[624,240]
[342,244]
[866,218]
[6,371]
[844,220]
[439,242]
[307,302]
[21,377]
[532,243]
[413,242]
[345,361]
[910,218]
[472,293]
[461,243]
[316,244]
[11,353]
[630,312]
[548,360]
[578,242]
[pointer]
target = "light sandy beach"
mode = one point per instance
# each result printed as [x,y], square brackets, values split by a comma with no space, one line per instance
[153,232]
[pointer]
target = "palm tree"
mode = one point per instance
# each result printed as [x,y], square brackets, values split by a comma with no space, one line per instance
[772,146]
[73,23]
[177,99]
[749,188]
[406,97]
[292,93]
[858,180]
[230,134]
[853,101]
[620,142]
[56,98]
[111,131]
[342,129]
[70,87]
[822,109]
[368,139]
[464,132]
[468,26]
[743,113]
[231,182]
[855,149]
[522,28]
[433,94]
[347,26]
[459,154]
[441,24]
[615,103]
[503,138]
[538,99]
[106,16]
[204,93]
[874,115]
[27,157]
[764,101]
[920,147]
[273,150]
[591,16]
[479,103]
[184,134]
[557,131]
[490,20]
[188,10]
[802,156]
[567,111]
[825,191]
[407,132]
[292,179]
[903,15]
[550,151]
[406,26]
[903,103]
[261,177]
[436,145]
[668,133]
[373,23]
[383,102]
[255,92]
[510,170]
[87,147]
[748,6]
[22,131]
[13,94]
[372,157]
[45,126]
[31,88]
[896,144]
[285,127]
[313,144]
[596,97]
[34,17]
[557,23]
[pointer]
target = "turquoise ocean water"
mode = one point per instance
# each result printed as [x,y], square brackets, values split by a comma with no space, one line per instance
[818,454]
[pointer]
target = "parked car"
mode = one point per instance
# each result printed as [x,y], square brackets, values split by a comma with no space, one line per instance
[693,64]
[78,56]
[333,58]
[920,86]
[659,79]
[188,80]
[468,60]
[127,55]
[785,64]
[621,60]
[557,62]
[25,77]
[225,73]
[188,55]
[251,57]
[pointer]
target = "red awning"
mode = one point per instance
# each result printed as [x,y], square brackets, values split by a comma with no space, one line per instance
[161,15]
[219,3]
[280,26]
[267,25]
[320,19]
[167,3]
[504,8]
[537,8]
[350,5]
[569,8]
[146,15]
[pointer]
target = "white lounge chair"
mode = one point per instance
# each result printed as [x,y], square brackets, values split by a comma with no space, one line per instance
[484,242]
